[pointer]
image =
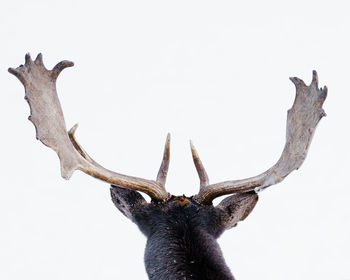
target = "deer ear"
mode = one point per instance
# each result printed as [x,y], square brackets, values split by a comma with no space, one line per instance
[236,208]
[127,201]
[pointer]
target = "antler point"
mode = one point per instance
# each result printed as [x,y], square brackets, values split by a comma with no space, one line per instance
[12,70]
[73,129]
[297,82]
[163,170]
[28,59]
[60,66]
[39,59]
[193,151]
[168,137]
[314,78]
[203,176]
[17,73]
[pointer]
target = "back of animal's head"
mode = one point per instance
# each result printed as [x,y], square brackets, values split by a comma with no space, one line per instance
[180,212]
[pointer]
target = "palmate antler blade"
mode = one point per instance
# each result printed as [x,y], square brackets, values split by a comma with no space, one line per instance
[48,119]
[302,120]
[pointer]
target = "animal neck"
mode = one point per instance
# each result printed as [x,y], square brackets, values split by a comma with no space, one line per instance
[184,253]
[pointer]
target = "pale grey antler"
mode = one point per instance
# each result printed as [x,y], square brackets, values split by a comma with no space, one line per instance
[163,170]
[302,120]
[203,176]
[48,119]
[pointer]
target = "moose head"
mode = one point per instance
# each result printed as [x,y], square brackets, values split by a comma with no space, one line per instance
[181,231]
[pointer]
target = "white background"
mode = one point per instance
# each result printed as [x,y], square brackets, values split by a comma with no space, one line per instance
[215,72]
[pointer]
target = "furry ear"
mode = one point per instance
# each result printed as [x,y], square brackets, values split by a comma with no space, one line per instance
[236,208]
[127,201]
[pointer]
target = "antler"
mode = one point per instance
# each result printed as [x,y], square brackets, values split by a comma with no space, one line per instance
[203,176]
[302,120]
[48,119]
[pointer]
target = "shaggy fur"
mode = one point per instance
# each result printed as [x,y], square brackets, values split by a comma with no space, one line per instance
[181,234]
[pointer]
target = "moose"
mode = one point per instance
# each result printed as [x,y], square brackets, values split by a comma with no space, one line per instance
[181,231]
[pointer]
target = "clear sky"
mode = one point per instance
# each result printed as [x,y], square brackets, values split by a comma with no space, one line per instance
[215,72]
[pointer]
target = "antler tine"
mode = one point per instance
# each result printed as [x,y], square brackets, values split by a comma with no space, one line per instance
[302,120]
[203,176]
[48,119]
[39,59]
[163,170]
